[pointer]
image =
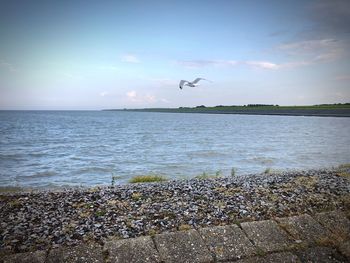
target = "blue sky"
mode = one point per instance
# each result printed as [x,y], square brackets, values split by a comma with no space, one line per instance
[117,54]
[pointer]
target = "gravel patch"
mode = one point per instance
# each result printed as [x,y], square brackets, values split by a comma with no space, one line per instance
[48,219]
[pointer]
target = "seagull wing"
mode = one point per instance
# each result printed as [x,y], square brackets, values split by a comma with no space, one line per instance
[197,80]
[182,83]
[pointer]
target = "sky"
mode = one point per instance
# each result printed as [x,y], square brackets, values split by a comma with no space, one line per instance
[92,55]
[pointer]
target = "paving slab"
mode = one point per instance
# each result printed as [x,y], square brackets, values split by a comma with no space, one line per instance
[320,255]
[344,248]
[84,253]
[283,257]
[304,228]
[336,222]
[183,246]
[29,257]
[134,250]
[227,242]
[267,235]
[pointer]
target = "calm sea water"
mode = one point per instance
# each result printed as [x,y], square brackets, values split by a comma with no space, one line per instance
[72,148]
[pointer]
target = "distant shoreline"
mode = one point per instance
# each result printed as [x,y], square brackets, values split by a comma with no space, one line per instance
[279,111]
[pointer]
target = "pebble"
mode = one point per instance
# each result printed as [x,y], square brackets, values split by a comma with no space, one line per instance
[48,218]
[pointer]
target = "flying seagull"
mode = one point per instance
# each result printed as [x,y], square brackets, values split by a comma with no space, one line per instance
[190,83]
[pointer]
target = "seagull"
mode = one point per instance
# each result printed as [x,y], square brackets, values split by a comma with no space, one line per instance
[189,83]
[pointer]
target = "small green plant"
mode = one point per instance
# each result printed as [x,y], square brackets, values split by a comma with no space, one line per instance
[205,175]
[152,232]
[184,227]
[148,179]
[267,170]
[344,174]
[260,252]
[94,189]
[114,179]
[136,196]
[344,166]
[16,203]
[233,172]
[100,213]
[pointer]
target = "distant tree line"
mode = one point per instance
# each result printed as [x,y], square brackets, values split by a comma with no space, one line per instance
[249,105]
[333,104]
[260,105]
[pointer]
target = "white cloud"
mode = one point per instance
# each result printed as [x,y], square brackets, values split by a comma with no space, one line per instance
[263,64]
[133,96]
[103,93]
[317,50]
[339,94]
[150,98]
[304,53]
[130,58]
[268,65]
[164,81]
[342,77]
[301,97]
[113,68]
[307,52]
[308,45]
[204,63]
[71,76]
[7,66]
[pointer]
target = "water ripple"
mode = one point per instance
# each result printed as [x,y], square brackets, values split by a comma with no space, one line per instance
[52,149]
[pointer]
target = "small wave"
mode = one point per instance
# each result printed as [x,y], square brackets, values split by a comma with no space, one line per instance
[94,169]
[37,154]
[11,156]
[76,158]
[262,160]
[206,154]
[42,174]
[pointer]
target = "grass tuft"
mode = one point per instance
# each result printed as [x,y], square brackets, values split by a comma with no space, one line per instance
[147,179]
[233,172]
[344,174]
[100,213]
[136,196]
[184,227]
[267,171]
[16,203]
[344,166]
[205,175]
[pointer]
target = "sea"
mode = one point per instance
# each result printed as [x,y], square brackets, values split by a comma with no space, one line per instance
[59,149]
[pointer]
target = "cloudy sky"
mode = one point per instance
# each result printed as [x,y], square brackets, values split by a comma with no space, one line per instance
[115,54]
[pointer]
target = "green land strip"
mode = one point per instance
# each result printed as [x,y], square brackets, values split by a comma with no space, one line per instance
[324,110]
